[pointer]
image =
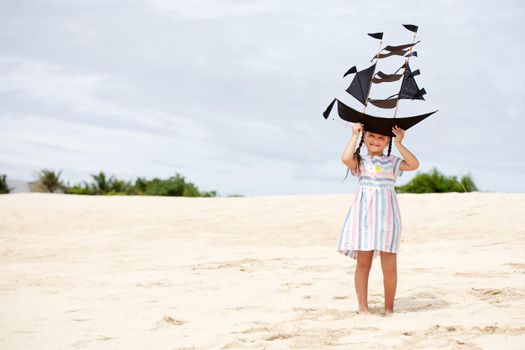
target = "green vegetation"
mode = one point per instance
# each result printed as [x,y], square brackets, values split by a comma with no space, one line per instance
[173,186]
[3,184]
[51,180]
[434,181]
[102,185]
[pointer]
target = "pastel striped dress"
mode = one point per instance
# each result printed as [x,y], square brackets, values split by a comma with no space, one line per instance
[373,221]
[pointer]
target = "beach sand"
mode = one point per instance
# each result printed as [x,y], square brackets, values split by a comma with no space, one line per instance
[136,272]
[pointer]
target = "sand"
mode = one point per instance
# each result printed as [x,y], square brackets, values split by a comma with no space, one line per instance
[91,272]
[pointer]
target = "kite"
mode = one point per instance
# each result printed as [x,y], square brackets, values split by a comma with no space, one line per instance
[362,83]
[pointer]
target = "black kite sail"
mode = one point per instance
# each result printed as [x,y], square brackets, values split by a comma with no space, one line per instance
[360,85]
[409,89]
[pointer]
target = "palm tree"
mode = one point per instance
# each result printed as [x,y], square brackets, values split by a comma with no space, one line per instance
[102,184]
[51,180]
[3,184]
[120,187]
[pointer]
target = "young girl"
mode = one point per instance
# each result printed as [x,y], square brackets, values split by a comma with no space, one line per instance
[373,223]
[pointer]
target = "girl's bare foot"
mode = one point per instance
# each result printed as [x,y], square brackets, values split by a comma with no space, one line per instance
[363,312]
[389,312]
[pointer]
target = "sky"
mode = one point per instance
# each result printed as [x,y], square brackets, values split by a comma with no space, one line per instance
[230,93]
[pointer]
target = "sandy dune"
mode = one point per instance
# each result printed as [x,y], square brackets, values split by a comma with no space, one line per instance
[86,272]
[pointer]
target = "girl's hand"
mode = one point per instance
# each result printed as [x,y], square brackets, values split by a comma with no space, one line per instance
[400,133]
[357,128]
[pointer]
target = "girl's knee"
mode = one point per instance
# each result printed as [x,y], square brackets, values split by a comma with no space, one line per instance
[364,259]
[388,262]
[363,265]
[389,269]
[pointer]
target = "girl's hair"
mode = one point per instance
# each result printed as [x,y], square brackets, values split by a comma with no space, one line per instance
[357,153]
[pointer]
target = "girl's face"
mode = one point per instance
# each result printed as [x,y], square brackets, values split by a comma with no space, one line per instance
[376,143]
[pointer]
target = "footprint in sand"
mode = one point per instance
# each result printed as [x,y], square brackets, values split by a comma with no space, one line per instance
[308,313]
[517,267]
[425,269]
[314,268]
[85,342]
[72,310]
[498,297]
[293,285]
[500,330]
[437,336]
[279,336]
[476,274]
[419,302]
[241,307]
[257,330]
[154,284]
[171,320]
[244,265]
[167,321]
[81,319]
[235,345]
[306,338]
[441,336]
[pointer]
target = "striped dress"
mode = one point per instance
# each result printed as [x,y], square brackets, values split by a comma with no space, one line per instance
[373,221]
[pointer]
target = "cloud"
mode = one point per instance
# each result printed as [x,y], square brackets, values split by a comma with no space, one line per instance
[82,96]
[214,9]
[205,9]
[51,83]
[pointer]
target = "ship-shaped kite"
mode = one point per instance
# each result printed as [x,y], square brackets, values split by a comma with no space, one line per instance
[362,82]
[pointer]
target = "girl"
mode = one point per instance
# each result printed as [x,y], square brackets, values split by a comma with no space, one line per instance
[373,223]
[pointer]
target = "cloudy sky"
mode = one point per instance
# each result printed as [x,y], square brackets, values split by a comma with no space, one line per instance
[230,93]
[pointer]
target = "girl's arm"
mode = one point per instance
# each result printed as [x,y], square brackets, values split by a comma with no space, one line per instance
[348,154]
[409,161]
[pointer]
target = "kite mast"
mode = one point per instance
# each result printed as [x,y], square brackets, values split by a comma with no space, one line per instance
[406,65]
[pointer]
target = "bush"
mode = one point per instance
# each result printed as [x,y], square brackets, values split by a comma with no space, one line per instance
[190,190]
[173,186]
[141,184]
[435,182]
[79,189]
[209,194]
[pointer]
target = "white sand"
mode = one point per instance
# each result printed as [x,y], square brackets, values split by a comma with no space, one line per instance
[86,272]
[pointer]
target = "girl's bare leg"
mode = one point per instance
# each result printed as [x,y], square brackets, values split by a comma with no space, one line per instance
[389,267]
[362,271]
